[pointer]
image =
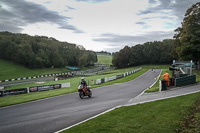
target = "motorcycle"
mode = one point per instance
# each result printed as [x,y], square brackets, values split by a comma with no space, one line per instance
[84,91]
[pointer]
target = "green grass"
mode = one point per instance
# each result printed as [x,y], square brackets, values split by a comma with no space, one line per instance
[75,81]
[16,99]
[105,59]
[10,70]
[162,116]
[197,72]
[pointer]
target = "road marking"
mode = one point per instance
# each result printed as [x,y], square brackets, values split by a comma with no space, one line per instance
[89,119]
[145,89]
[162,98]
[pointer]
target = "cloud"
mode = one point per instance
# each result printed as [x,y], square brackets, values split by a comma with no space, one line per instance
[152,2]
[73,28]
[71,8]
[93,1]
[116,40]
[177,7]
[18,13]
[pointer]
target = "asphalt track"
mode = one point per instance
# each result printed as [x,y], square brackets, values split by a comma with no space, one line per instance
[53,114]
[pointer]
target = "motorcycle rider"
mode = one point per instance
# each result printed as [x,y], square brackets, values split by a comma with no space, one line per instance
[83,89]
[83,82]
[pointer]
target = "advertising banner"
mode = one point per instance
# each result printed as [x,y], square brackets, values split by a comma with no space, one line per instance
[1,93]
[14,92]
[64,85]
[119,76]
[112,78]
[106,80]
[57,86]
[33,89]
[45,88]
[102,80]
[91,81]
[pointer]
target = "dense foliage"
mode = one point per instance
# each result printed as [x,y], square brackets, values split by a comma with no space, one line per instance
[41,51]
[156,52]
[187,43]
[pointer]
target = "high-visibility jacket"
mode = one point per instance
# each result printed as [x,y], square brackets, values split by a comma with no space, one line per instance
[166,76]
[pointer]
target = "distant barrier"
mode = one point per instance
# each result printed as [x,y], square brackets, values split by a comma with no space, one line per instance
[57,74]
[33,89]
[34,77]
[99,81]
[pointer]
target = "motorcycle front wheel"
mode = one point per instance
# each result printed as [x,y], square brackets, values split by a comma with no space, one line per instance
[90,93]
[81,95]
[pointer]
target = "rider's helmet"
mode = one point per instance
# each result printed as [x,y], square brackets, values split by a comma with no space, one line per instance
[82,78]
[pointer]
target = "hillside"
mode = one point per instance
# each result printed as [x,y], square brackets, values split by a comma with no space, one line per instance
[10,70]
[43,52]
[105,59]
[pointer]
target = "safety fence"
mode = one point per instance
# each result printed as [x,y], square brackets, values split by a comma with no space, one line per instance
[34,77]
[103,80]
[32,89]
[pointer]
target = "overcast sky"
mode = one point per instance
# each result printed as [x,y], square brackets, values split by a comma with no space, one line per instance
[96,24]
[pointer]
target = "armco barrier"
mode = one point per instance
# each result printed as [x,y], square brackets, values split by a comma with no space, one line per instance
[107,79]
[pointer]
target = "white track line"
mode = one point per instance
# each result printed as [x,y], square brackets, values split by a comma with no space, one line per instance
[163,98]
[145,89]
[88,119]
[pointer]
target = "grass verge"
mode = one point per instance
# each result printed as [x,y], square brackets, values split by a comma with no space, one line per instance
[162,116]
[10,70]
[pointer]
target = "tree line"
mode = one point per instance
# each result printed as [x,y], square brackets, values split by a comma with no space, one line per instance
[157,52]
[41,51]
[184,46]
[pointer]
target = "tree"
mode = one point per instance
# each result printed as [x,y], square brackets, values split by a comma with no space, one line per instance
[136,55]
[122,59]
[187,37]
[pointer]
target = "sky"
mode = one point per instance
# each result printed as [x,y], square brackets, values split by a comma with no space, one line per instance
[98,25]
